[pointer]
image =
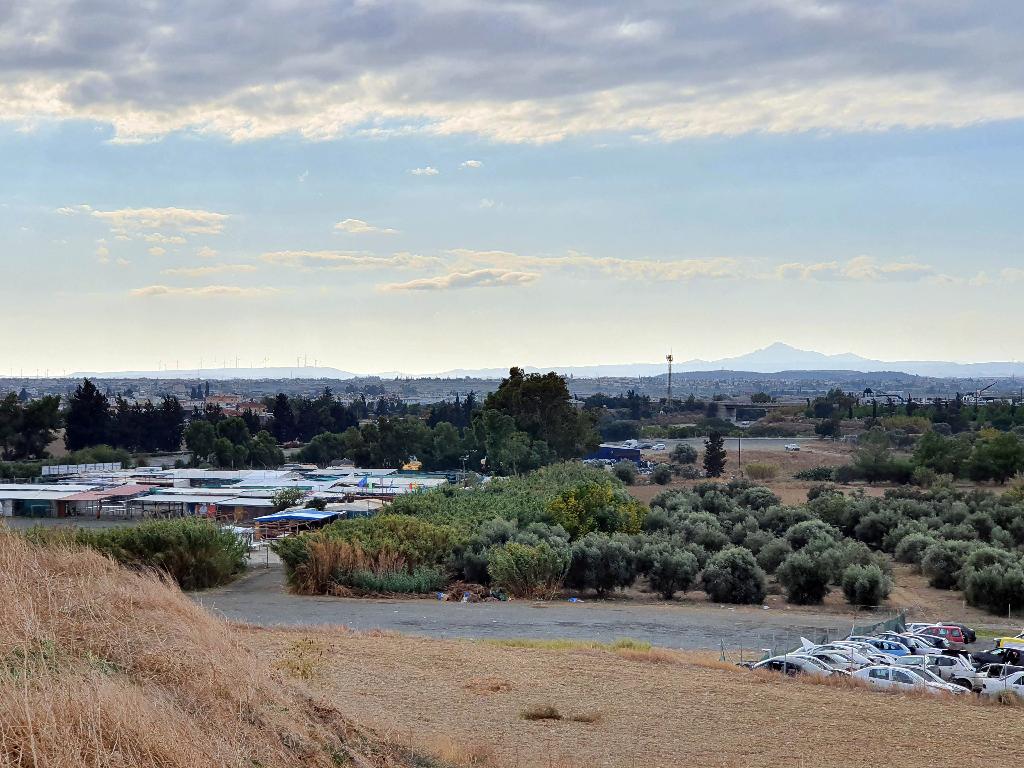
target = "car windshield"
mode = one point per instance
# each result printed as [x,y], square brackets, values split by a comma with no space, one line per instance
[924,674]
[816,662]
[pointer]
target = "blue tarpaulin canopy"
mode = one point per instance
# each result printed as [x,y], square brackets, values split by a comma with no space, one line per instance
[297,516]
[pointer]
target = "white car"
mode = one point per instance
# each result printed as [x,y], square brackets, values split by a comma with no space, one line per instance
[838,659]
[952,669]
[895,679]
[792,447]
[796,664]
[658,447]
[997,686]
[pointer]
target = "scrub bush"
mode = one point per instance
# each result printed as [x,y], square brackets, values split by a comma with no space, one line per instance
[805,578]
[602,563]
[772,554]
[865,585]
[662,474]
[669,569]
[733,576]
[196,553]
[528,571]
[625,471]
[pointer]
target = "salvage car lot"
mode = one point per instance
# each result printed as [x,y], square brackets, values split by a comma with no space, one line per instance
[929,658]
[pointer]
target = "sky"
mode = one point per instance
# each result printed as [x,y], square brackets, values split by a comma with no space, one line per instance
[383,185]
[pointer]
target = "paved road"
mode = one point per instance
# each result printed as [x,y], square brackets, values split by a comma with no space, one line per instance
[259,598]
[754,443]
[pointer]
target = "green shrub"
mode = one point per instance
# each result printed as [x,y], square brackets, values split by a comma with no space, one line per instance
[599,507]
[662,474]
[669,569]
[756,541]
[846,473]
[527,571]
[996,588]
[865,585]
[602,563]
[684,453]
[733,576]
[196,553]
[805,578]
[801,534]
[772,554]
[924,477]
[625,471]
[759,470]
[420,581]
[817,474]
[941,563]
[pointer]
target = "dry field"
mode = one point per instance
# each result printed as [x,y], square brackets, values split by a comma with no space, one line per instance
[103,668]
[789,490]
[470,701]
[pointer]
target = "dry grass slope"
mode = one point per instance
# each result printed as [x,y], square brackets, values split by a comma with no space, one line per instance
[623,707]
[103,667]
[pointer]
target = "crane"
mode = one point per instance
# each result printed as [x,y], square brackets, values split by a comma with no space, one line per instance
[977,393]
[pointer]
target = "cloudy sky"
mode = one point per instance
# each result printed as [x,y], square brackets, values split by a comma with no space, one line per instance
[423,185]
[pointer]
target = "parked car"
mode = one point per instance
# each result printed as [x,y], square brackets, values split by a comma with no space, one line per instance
[998,670]
[797,664]
[951,634]
[896,679]
[890,647]
[792,447]
[658,447]
[1001,686]
[915,643]
[952,669]
[852,650]
[970,636]
[998,656]
[844,660]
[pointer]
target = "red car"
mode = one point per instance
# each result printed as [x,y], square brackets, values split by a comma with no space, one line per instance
[954,635]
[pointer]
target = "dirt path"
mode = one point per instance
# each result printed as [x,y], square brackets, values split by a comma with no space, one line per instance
[260,598]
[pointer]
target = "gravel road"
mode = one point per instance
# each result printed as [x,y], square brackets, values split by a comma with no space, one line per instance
[260,598]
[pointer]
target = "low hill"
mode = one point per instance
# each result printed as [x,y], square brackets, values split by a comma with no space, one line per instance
[103,667]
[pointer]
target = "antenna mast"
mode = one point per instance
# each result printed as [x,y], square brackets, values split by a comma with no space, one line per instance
[669,358]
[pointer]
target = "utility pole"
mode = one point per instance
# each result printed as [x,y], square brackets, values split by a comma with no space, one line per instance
[669,358]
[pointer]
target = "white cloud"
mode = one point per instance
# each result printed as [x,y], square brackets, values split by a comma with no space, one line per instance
[616,267]
[204,291]
[102,252]
[152,224]
[340,260]
[212,269]
[859,269]
[479,278]
[188,221]
[360,227]
[156,250]
[471,164]
[156,237]
[486,202]
[425,171]
[205,252]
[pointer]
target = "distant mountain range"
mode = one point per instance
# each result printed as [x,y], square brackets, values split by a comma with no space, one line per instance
[774,358]
[224,374]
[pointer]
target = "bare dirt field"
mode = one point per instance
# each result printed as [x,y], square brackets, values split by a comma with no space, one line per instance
[466,701]
[789,490]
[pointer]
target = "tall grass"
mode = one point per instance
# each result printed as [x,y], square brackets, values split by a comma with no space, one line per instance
[100,666]
[331,563]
